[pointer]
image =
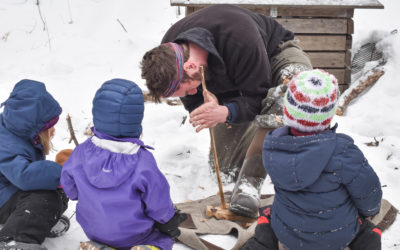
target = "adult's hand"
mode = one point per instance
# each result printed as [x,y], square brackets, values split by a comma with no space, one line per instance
[208,114]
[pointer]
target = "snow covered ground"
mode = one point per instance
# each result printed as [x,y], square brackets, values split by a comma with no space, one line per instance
[75,45]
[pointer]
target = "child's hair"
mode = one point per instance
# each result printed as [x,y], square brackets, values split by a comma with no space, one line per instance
[45,141]
[44,136]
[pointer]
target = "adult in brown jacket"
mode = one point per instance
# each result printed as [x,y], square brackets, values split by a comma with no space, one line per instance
[245,55]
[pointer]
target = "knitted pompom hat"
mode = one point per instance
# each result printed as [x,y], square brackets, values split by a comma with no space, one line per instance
[310,101]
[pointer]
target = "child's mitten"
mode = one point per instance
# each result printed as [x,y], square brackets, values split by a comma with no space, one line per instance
[171,227]
[63,156]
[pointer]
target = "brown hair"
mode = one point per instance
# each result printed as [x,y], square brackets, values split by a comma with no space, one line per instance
[159,70]
[45,140]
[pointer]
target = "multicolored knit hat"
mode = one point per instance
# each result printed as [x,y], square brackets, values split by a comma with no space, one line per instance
[310,101]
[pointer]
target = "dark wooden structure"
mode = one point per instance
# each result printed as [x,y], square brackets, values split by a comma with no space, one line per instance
[324,27]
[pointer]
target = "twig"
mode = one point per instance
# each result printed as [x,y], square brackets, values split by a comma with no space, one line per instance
[33,28]
[221,192]
[44,23]
[122,25]
[71,131]
[73,138]
[183,120]
[40,14]
[5,36]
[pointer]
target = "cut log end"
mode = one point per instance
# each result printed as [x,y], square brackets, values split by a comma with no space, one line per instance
[224,214]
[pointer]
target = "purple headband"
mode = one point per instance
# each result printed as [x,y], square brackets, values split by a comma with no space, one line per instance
[174,85]
[46,126]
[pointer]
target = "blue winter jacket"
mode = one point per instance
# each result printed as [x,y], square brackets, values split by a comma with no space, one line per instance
[322,183]
[22,162]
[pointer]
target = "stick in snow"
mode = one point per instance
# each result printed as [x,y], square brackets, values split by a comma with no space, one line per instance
[71,131]
[122,25]
[44,23]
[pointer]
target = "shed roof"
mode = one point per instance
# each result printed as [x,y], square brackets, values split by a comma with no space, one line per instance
[365,4]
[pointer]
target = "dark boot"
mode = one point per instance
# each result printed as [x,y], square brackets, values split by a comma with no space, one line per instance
[245,200]
[14,245]
[264,237]
[60,228]
[368,237]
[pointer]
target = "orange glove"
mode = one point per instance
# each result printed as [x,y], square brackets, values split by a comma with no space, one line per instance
[63,156]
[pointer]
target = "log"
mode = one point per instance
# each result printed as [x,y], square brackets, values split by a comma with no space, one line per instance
[362,86]
[224,214]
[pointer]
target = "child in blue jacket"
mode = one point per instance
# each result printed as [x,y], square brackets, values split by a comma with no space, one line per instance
[30,201]
[123,198]
[324,186]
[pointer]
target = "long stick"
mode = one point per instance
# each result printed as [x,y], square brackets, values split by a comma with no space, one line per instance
[221,192]
[73,138]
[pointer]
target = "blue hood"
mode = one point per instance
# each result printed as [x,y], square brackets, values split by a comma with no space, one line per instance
[28,109]
[118,108]
[297,162]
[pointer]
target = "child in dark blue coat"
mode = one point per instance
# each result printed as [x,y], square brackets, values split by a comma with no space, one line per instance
[30,201]
[324,187]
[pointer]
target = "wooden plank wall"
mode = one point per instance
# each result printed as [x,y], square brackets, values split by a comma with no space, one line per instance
[325,34]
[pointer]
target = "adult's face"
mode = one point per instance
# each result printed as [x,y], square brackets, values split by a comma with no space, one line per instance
[189,87]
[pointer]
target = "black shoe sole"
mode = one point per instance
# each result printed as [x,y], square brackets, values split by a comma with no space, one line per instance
[242,212]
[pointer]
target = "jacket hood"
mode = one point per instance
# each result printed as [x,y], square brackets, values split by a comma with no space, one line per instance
[114,163]
[204,39]
[118,108]
[28,108]
[295,163]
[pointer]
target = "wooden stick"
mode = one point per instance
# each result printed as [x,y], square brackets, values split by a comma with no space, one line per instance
[221,192]
[71,131]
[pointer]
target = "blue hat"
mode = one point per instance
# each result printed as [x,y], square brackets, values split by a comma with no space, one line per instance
[118,108]
[29,108]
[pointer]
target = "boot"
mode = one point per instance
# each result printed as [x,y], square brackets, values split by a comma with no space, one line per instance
[245,199]
[60,228]
[264,237]
[14,245]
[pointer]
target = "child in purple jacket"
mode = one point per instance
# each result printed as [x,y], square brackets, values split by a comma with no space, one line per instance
[123,198]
